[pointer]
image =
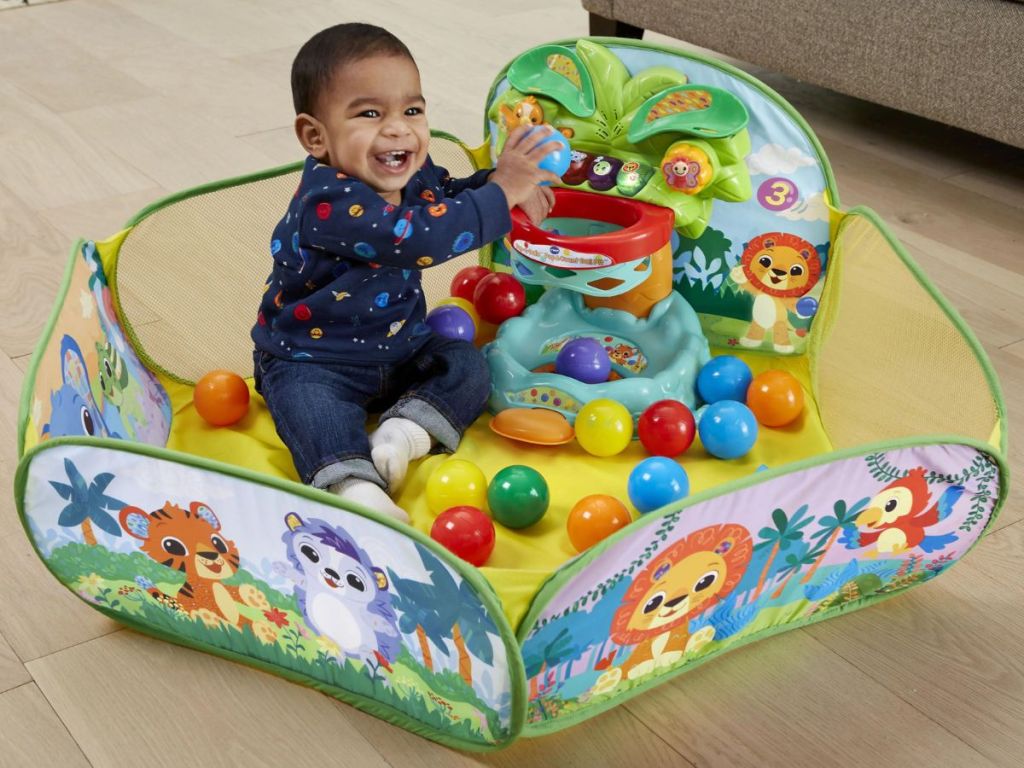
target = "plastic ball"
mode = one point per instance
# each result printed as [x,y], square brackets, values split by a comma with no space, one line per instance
[655,482]
[499,296]
[585,360]
[776,398]
[455,483]
[594,518]
[451,322]
[221,398]
[518,496]
[557,160]
[464,304]
[466,532]
[604,427]
[666,428]
[724,378]
[807,307]
[728,429]
[465,281]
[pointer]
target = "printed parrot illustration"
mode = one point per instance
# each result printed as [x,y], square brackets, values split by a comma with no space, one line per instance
[898,516]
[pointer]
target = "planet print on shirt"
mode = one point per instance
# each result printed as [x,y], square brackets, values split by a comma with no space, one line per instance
[355,211]
[424,261]
[295,242]
[275,247]
[395,327]
[462,242]
[323,211]
[381,300]
[403,228]
[428,195]
[365,250]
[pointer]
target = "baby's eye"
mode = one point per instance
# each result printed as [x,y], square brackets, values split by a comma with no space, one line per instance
[369,113]
[414,111]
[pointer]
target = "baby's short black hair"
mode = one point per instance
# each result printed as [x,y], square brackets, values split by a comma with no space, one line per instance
[329,50]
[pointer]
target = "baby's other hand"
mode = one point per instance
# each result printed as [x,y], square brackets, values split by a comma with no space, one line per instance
[517,173]
[539,204]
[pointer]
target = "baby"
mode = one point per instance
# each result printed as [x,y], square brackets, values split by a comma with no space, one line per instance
[340,330]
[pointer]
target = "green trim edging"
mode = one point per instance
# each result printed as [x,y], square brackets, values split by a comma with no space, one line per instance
[739,74]
[483,588]
[29,383]
[551,587]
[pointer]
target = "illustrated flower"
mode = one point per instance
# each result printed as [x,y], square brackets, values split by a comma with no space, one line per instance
[276,617]
[208,617]
[733,342]
[328,645]
[126,589]
[92,581]
[264,632]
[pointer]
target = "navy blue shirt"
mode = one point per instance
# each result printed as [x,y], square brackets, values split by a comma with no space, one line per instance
[345,285]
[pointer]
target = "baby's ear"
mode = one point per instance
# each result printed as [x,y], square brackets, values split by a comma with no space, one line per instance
[312,135]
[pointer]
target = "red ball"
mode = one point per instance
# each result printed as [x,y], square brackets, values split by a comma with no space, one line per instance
[465,280]
[666,428]
[465,532]
[499,296]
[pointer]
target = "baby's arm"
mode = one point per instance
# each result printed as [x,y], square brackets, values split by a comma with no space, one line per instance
[347,218]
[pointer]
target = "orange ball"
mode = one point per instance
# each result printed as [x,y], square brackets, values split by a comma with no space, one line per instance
[221,398]
[775,397]
[594,518]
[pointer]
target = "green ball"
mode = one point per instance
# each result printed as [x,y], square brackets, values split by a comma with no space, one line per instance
[518,496]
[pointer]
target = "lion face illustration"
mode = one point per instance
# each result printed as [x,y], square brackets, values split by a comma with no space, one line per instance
[681,582]
[781,264]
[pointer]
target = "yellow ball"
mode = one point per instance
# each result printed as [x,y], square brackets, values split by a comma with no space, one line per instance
[604,427]
[470,310]
[456,482]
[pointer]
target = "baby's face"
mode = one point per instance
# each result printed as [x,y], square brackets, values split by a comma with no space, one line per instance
[375,120]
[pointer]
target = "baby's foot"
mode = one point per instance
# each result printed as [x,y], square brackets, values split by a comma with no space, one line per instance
[368,495]
[396,442]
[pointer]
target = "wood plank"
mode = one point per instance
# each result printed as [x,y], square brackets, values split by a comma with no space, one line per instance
[12,671]
[239,715]
[790,701]
[33,734]
[951,649]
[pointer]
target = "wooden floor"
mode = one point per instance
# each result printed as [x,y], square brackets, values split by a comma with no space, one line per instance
[108,104]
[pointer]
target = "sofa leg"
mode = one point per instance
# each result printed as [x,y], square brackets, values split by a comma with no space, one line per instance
[602,27]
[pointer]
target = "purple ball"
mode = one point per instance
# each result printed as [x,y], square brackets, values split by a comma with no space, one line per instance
[451,322]
[585,360]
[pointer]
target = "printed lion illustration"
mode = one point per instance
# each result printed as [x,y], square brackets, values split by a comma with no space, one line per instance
[777,268]
[681,582]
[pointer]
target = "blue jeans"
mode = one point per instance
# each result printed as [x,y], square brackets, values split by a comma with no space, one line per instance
[320,408]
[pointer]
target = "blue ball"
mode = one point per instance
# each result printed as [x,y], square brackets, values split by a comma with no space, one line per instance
[557,160]
[724,378]
[807,307]
[451,322]
[584,359]
[727,429]
[655,482]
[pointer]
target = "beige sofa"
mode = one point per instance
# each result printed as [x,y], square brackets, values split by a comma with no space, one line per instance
[960,62]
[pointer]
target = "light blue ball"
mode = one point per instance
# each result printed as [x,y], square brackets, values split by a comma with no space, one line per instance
[557,160]
[727,429]
[655,482]
[724,378]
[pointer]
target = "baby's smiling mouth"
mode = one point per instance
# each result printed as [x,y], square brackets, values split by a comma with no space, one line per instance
[395,161]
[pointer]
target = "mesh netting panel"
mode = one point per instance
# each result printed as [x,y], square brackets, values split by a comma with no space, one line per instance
[190,275]
[893,363]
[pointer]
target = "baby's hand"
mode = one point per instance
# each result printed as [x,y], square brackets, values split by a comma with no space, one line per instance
[517,173]
[539,204]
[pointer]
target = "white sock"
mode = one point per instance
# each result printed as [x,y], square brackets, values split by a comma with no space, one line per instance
[368,495]
[396,442]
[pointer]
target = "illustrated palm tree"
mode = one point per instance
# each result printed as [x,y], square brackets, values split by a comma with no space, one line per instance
[795,561]
[831,526]
[459,613]
[558,651]
[87,503]
[416,604]
[786,532]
